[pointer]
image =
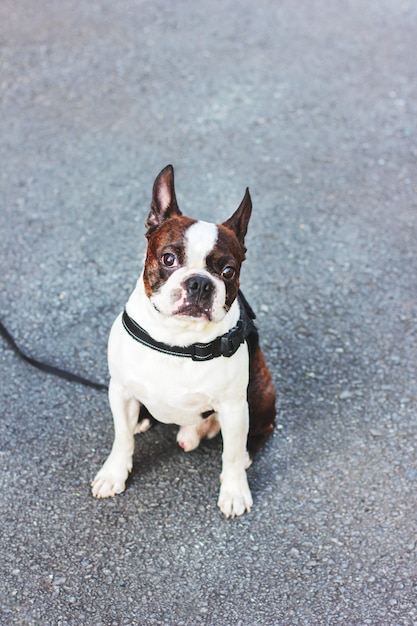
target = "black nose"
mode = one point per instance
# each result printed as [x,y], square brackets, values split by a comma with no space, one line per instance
[199,288]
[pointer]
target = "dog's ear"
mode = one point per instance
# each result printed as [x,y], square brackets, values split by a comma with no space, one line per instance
[164,203]
[240,218]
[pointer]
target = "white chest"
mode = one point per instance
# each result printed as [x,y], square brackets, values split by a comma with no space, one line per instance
[175,389]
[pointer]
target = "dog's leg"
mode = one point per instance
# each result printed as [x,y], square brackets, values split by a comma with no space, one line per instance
[235,497]
[111,479]
[189,437]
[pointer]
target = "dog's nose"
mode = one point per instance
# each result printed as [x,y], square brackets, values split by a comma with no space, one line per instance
[199,288]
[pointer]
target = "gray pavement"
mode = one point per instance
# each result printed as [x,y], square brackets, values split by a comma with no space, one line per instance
[313,104]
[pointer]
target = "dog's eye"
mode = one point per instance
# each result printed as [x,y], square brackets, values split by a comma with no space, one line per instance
[228,272]
[169,259]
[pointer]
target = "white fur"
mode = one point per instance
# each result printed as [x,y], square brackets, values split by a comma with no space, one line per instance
[200,238]
[177,389]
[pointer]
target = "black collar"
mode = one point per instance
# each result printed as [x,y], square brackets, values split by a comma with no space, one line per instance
[225,345]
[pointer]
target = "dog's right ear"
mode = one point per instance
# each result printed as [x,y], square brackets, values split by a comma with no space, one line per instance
[164,203]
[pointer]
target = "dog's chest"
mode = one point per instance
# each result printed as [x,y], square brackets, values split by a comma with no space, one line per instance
[174,392]
[174,389]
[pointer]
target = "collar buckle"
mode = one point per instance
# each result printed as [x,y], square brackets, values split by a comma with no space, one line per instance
[230,342]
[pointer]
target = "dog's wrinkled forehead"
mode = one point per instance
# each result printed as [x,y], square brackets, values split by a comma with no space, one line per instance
[192,240]
[171,233]
[195,242]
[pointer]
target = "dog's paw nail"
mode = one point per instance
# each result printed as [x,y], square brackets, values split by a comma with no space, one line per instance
[106,485]
[234,505]
[106,489]
[235,497]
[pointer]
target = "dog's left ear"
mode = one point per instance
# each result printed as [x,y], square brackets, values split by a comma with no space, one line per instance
[240,218]
[164,202]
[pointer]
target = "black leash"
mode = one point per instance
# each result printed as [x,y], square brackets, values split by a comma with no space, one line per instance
[45,367]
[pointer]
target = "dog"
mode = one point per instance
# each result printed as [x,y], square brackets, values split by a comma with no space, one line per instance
[185,350]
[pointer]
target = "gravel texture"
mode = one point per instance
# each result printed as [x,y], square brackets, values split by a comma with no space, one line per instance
[313,104]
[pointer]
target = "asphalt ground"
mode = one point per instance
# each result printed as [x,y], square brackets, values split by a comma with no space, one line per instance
[312,104]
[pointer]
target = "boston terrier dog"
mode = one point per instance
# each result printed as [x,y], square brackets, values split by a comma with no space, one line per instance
[185,350]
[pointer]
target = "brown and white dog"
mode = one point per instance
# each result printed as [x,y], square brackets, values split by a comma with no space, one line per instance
[186,349]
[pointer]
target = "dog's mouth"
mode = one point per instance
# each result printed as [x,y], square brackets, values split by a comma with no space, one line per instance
[194,310]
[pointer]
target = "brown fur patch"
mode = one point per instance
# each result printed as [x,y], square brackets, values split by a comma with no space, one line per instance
[228,251]
[168,237]
[261,400]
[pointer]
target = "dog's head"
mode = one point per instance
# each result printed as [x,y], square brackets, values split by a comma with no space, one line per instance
[192,267]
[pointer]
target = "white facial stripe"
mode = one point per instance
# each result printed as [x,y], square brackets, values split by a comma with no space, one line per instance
[200,240]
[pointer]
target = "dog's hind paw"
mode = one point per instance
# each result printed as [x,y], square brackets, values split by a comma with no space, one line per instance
[188,438]
[142,426]
[235,497]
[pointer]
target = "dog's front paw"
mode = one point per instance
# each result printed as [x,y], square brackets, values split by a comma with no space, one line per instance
[235,496]
[111,479]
